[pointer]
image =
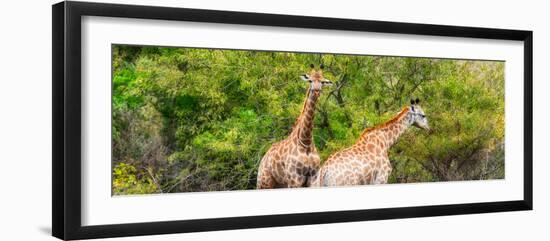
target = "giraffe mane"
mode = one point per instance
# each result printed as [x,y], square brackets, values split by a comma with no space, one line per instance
[396,118]
[303,108]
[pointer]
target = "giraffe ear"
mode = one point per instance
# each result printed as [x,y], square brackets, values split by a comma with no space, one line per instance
[305,77]
[326,82]
[417,101]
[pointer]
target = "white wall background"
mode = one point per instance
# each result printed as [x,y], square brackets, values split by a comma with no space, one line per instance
[25,119]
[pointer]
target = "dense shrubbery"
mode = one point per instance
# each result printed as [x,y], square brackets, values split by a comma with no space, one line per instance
[200,120]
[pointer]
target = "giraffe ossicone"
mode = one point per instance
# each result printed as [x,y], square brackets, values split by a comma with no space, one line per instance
[367,162]
[293,161]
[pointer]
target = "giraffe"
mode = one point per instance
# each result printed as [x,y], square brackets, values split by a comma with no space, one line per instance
[292,161]
[367,162]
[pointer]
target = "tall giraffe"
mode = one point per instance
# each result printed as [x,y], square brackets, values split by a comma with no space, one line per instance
[367,162]
[292,161]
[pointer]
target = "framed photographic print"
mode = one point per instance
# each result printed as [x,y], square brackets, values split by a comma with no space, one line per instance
[169,120]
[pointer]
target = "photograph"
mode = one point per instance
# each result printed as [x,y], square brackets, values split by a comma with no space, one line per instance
[189,119]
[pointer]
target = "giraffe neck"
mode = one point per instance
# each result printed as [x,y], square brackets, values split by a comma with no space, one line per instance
[303,129]
[390,131]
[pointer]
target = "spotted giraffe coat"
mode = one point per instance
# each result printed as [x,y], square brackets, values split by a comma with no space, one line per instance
[366,162]
[293,161]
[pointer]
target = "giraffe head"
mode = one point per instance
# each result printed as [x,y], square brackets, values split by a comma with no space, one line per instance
[316,79]
[418,118]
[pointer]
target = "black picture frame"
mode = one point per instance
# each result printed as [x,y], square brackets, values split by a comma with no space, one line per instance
[66,127]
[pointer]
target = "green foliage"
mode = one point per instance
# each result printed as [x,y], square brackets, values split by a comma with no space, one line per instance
[127,180]
[200,120]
